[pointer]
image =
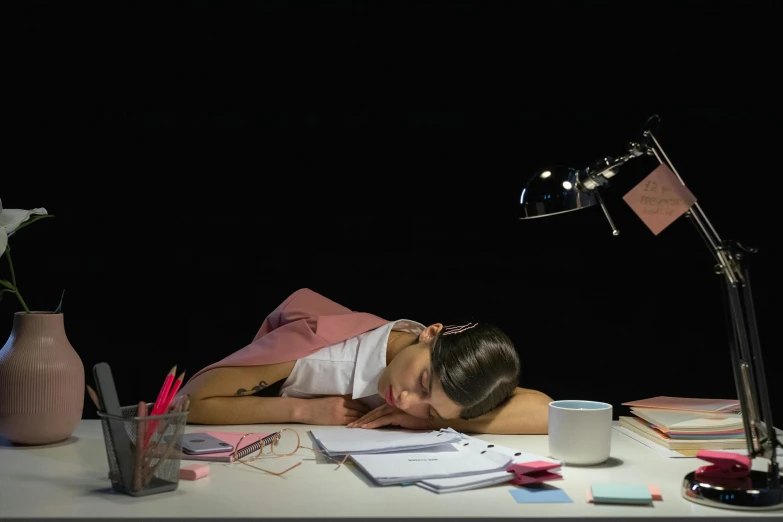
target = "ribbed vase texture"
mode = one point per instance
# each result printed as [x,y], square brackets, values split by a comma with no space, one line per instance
[41,381]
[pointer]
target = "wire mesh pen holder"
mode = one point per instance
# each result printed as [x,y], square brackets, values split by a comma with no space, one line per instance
[137,468]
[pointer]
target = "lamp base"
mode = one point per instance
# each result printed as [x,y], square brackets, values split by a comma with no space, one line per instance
[751,493]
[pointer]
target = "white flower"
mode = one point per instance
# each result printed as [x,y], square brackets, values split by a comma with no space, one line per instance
[10,219]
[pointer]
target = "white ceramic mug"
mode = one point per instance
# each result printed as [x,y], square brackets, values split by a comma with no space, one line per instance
[580,432]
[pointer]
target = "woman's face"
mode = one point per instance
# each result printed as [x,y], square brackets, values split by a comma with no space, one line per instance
[408,383]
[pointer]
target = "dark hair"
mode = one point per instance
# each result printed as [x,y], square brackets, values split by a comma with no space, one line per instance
[477,366]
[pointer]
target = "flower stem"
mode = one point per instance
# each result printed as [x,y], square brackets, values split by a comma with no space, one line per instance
[13,279]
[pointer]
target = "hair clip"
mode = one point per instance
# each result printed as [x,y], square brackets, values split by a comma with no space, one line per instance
[447,330]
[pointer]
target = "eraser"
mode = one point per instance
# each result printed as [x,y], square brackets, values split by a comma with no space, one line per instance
[194,472]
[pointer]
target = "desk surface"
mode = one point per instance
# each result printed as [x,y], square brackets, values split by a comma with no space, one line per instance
[70,480]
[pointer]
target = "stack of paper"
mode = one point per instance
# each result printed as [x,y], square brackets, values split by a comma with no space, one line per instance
[357,441]
[462,483]
[396,468]
[439,461]
[687,424]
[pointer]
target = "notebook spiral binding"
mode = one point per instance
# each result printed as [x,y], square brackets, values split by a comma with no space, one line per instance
[257,445]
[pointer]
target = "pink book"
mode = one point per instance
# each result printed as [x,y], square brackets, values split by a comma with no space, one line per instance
[250,444]
[688,404]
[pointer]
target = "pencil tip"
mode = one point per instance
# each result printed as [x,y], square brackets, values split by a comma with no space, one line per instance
[173,370]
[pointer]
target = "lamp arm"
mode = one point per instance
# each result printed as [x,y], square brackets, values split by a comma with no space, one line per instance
[746,355]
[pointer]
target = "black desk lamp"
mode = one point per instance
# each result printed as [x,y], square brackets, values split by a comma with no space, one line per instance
[559,189]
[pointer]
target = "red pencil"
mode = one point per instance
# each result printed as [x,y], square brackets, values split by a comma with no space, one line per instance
[164,391]
[162,396]
[173,392]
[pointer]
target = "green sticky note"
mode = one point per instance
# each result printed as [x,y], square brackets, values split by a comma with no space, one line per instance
[621,493]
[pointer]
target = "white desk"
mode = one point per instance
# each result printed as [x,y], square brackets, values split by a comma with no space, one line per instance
[70,480]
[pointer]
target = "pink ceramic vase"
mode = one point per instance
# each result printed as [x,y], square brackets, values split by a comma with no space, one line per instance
[41,381]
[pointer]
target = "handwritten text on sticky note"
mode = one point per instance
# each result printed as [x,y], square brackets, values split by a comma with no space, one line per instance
[660,199]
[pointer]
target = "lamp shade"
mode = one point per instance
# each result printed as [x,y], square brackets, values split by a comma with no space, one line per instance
[553,190]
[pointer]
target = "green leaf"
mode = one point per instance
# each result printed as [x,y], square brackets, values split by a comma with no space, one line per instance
[59,309]
[33,219]
[7,284]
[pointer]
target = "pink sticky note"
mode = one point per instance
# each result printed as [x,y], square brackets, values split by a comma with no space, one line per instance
[538,476]
[660,199]
[532,472]
[655,493]
[534,465]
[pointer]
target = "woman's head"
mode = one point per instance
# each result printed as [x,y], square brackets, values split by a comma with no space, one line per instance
[452,372]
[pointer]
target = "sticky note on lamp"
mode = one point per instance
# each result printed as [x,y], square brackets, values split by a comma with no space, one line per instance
[621,494]
[660,199]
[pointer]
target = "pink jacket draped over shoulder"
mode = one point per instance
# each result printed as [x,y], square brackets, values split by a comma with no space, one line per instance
[303,324]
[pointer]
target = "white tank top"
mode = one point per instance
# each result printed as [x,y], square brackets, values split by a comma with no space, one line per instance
[349,367]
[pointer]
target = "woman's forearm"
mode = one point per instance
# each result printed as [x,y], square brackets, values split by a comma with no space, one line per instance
[246,410]
[526,412]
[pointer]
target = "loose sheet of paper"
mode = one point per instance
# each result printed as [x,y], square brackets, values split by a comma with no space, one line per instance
[394,468]
[454,484]
[357,441]
[660,199]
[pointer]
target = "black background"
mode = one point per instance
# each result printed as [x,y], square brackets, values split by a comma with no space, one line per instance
[206,159]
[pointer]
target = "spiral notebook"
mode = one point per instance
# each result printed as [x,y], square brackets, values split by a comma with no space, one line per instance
[251,444]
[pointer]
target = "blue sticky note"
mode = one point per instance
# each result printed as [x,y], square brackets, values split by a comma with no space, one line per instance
[543,494]
[621,493]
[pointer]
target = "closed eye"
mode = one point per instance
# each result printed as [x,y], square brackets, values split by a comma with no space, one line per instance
[424,388]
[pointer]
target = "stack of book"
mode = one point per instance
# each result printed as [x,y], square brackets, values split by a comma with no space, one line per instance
[687,425]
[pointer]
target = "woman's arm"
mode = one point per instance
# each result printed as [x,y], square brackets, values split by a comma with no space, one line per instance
[246,410]
[225,396]
[526,412]
[337,410]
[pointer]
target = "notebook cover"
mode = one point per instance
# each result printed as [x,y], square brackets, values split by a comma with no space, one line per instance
[232,437]
[621,493]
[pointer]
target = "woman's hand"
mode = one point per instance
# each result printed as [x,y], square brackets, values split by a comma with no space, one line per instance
[332,411]
[389,416]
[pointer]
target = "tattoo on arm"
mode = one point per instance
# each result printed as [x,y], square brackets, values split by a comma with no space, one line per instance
[254,389]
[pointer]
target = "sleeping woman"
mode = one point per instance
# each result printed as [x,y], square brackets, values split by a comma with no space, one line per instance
[316,362]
